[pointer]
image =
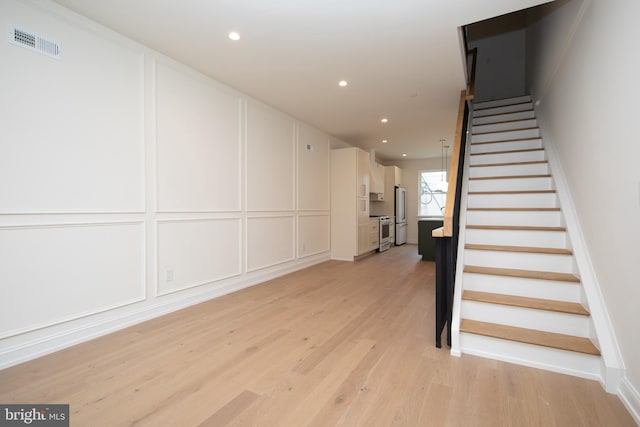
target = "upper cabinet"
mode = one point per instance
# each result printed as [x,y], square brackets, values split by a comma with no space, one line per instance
[363,177]
[397,175]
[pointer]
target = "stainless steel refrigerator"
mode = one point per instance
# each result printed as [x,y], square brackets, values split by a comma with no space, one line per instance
[401,215]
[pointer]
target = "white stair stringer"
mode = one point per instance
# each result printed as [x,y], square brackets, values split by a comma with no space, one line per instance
[511,223]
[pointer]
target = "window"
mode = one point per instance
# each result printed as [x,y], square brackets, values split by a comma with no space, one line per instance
[433,193]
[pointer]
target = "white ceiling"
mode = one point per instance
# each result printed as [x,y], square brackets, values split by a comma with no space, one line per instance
[402,58]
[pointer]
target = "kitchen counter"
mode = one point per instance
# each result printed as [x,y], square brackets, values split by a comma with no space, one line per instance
[426,243]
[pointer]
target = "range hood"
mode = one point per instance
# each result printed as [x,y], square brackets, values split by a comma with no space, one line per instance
[377,180]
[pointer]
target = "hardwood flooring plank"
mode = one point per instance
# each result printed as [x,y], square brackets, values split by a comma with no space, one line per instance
[231,410]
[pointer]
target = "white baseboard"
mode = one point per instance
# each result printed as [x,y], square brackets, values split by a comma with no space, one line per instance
[48,340]
[630,398]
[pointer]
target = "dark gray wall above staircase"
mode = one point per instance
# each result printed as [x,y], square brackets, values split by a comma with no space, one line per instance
[501,46]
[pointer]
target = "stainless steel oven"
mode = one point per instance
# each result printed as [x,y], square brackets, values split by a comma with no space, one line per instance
[385,233]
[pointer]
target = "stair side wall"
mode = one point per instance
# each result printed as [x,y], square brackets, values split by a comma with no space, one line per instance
[612,369]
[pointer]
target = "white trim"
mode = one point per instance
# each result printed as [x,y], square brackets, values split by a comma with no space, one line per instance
[630,398]
[92,327]
[613,365]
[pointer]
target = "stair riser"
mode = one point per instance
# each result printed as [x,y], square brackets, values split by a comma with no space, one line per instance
[519,218]
[506,136]
[506,146]
[536,200]
[538,239]
[541,320]
[506,125]
[520,115]
[523,156]
[520,260]
[567,362]
[502,109]
[502,102]
[519,286]
[515,184]
[510,170]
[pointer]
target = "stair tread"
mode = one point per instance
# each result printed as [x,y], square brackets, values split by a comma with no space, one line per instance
[533,162]
[516,228]
[526,302]
[530,249]
[506,130]
[523,150]
[531,138]
[527,274]
[505,121]
[472,193]
[530,336]
[477,178]
[501,114]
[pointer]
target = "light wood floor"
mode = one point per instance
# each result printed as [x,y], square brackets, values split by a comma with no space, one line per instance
[348,344]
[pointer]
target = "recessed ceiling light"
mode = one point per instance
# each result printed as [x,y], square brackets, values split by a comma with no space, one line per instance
[404,154]
[234,36]
[343,83]
[384,120]
[384,141]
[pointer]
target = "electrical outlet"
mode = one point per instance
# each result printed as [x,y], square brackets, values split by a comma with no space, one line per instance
[168,276]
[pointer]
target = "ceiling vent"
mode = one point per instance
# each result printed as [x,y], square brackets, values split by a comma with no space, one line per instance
[34,42]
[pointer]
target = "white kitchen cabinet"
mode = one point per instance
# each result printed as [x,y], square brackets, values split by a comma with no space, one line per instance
[350,185]
[368,236]
[374,234]
[363,178]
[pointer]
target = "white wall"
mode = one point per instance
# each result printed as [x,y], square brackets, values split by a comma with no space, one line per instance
[134,186]
[584,70]
[411,180]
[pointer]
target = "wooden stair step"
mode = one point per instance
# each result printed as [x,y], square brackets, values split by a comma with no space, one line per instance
[512,192]
[498,141]
[529,249]
[523,150]
[535,162]
[525,274]
[526,302]
[530,336]
[505,130]
[479,178]
[516,228]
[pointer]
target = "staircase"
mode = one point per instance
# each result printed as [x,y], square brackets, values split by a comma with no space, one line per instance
[522,300]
